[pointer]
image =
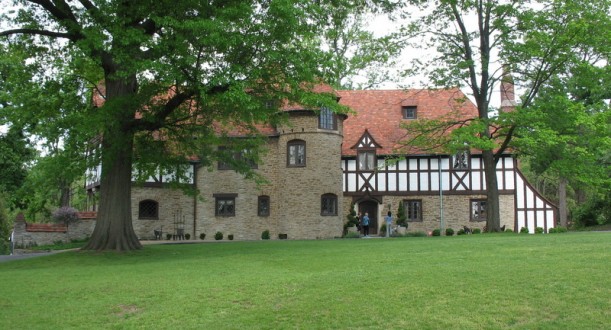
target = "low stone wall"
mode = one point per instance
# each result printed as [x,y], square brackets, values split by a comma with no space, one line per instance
[32,234]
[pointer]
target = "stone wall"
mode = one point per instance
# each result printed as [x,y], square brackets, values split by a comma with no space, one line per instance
[174,208]
[27,234]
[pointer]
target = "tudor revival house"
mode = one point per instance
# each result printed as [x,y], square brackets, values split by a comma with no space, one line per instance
[319,164]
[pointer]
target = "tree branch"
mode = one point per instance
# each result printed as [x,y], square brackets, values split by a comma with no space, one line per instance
[36,32]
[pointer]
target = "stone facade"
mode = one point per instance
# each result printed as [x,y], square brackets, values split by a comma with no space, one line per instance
[24,235]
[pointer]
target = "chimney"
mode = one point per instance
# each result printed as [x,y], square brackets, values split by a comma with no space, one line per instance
[508,97]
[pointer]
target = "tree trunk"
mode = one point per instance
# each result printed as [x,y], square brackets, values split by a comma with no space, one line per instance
[493,212]
[562,208]
[114,229]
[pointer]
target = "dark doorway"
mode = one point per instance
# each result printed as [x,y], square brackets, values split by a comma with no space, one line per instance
[370,207]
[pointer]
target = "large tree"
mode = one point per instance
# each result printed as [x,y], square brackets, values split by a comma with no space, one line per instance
[176,75]
[476,44]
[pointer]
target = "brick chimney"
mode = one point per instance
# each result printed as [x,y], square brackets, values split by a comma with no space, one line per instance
[508,96]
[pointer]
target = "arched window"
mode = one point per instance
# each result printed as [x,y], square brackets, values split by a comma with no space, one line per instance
[328,204]
[296,153]
[148,209]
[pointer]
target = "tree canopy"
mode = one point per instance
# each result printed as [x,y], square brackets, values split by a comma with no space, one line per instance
[177,76]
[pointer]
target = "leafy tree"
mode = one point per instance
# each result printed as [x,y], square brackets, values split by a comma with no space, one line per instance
[15,155]
[354,51]
[5,226]
[477,44]
[178,76]
[401,216]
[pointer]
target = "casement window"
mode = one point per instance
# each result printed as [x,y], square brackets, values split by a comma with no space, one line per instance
[409,112]
[366,160]
[478,210]
[328,205]
[413,209]
[263,206]
[224,205]
[148,209]
[296,153]
[327,119]
[240,156]
[460,161]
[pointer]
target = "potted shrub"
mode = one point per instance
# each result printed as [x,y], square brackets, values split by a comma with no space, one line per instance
[265,234]
[218,236]
[202,236]
[187,236]
[449,232]
[353,221]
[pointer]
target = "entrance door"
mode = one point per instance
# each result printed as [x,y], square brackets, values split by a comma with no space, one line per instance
[370,207]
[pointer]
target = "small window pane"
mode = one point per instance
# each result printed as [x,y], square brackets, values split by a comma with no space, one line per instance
[366,160]
[328,204]
[148,209]
[409,112]
[478,210]
[263,207]
[413,210]
[296,154]
[225,206]
[327,119]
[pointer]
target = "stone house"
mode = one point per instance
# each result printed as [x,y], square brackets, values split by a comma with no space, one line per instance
[319,164]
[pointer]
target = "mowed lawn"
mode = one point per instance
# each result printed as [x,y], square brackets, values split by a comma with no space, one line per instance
[491,281]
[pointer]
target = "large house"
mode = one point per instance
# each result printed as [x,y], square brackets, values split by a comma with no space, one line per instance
[319,165]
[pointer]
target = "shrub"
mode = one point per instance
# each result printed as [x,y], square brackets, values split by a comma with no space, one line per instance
[460,232]
[552,230]
[523,230]
[187,236]
[230,237]
[352,234]
[352,218]
[449,232]
[65,214]
[437,232]
[539,230]
[561,229]
[477,231]
[202,236]
[401,217]
[383,230]
[265,234]
[419,234]
[168,236]
[218,236]
[508,230]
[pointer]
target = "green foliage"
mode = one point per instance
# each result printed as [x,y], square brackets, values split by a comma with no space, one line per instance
[230,237]
[187,236]
[561,229]
[353,220]
[5,226]
[523,230]
[168,236]
[449,232]
[553,230]
[383,230]
[15,155]
[539,230]
[460,232]
[265,235]
[202,236]
[352,234]
[401,215]
[477,231]
[596,211]
[218,236]
[437,232]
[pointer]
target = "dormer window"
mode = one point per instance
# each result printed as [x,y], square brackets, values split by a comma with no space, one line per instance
[327,119]
[461,160]
[366,160]
[409,112]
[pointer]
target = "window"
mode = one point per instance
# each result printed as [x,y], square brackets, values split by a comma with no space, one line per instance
[327,119]
[263,206]
[296,153]
[240,156]
[148,209]
[224,205]
[461,160]
[409,112]
[478,210]
[367,160]
[413,210]
[328,204]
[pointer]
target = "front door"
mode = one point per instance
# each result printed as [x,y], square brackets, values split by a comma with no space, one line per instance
[370,207]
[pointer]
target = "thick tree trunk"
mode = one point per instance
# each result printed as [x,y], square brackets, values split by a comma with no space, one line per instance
[493,211]
[562,208]
[114,229]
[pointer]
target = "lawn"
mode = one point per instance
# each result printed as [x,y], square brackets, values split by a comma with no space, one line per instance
[492,281]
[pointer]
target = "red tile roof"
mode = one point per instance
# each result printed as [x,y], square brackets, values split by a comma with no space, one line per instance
[380,113]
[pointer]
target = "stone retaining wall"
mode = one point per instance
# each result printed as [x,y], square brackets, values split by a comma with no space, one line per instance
[33,234]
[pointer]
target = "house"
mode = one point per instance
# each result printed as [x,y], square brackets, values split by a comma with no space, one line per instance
[319,164]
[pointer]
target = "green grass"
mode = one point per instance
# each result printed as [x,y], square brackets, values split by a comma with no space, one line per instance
[491,281]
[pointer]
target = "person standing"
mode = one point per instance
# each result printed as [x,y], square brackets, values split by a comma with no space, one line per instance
[365,222]
[388,219]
